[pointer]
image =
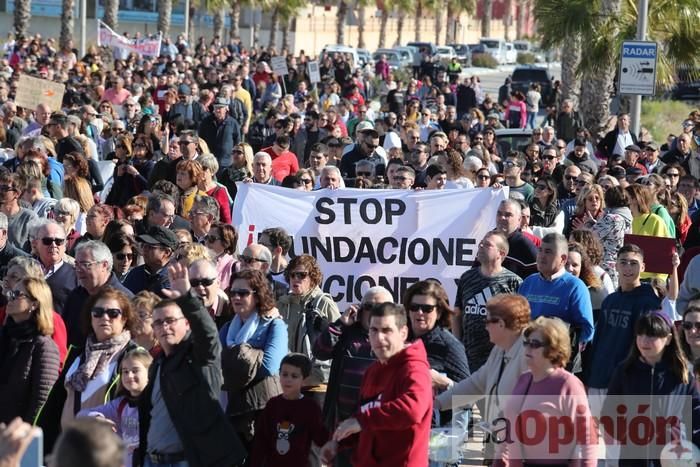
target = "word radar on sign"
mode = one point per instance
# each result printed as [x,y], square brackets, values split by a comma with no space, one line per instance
[632,51]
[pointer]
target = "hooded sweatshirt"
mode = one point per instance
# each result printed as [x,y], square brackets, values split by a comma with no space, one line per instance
[614,332]
[396,407]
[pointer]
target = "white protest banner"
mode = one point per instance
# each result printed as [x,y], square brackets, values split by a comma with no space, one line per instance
[363,238]
[314,72]
[279,65]
[146,47]
[34,91]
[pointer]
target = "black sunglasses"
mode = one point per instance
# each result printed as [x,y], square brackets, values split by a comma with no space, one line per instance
[48,241]
[687,325]
[250,259]
[299,275]
[203,282]
[99,312]
[240,292]
[212,238]
[425,309]
[533,343]
[123,256]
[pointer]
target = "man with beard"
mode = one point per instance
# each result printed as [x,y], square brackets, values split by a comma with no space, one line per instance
[307,137]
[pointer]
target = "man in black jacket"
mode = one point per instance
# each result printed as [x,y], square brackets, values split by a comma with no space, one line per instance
[7,251]
[221,133]
[180,418]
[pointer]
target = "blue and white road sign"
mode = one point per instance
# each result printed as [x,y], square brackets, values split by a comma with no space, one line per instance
[638,68]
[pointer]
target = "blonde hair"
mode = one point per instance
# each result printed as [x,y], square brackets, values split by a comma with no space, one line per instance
[585,193]
[40,292]
[192,252]
[248,154]
[555,337]
[79,189]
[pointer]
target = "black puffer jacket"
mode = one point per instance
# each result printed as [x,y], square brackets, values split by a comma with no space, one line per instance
[29,366]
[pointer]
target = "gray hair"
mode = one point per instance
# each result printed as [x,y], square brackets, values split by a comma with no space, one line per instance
[208,205]
[209,263]
[365,163]
[265,253]
[30,266]
[36,225]
[331,168]
[261,155]
[3,221]
[557,239]
[69,205]
[209,162]
[377,290]
[100,252]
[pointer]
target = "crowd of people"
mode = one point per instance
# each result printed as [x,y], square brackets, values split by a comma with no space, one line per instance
[126,298]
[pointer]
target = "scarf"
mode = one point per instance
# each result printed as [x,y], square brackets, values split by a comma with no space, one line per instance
[240,332]
[96,359]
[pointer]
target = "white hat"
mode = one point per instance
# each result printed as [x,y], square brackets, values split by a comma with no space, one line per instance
[391,141]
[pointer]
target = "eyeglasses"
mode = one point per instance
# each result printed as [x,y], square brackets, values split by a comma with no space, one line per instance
[203,282]
[670,174]
[483,177]
[59,213]
[478,139]
[570,178]
[533,344]
[128,105]
[307,181]
[123,256]
[549,158]
[540,187]
[371,146]
[99,312]
[511,164]
[250,259]
[561,147]
[364,174]
[243,293]
[299,275]
[689,326]
[85,264]
[48,241]
[120,146]
[581,183]
[139,145]
[423,308]
[212,238]
[185,143]
[159,323]
[15,294]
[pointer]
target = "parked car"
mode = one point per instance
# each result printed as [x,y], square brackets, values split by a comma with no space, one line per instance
[524,75]
[429,46]
[511,53]
[392,56]
[496,47]
[515,139]
[365,57]
[527,47]
[445,53]
[463,53]
[407,55]
[332,50]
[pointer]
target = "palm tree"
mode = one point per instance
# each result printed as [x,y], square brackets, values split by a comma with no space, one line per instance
[218,22]
[602,25]
[507,19]
[399,26]
[454,9]
[523,6]
[235,19]
[67,23]
[419,15]
[340,23]
[111,14]
[383,20]
[486,18]
[165,11]
[274,25]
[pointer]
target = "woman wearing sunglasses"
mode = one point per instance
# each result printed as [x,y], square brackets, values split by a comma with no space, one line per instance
[222,239]
[254,342]
[507,315]
[552,393]
[690,339]
[29,358]
[90,375]
[124,254]
[307,310]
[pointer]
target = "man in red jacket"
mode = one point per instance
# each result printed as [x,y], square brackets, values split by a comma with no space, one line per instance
[393,423]
[284,161]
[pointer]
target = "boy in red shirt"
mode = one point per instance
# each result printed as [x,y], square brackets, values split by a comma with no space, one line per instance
[290,422]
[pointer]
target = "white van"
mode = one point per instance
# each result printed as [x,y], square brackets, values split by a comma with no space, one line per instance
[496,48]
[332,50]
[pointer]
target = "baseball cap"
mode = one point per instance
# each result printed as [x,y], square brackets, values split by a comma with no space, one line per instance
[184,90]
[633,148]
[364,125]
[493,115]
[220,102]
[158,235]
[652,146]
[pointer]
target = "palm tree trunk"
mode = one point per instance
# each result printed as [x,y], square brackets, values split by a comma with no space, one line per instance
[451,32]
[286,27]
[191,27]
[165,10]
[274,25]
[218,23]
[507,19]
[438,22]
[570,83]
[67,23]
[419,15]
[340,24]
[399,27]
[111,15]
[383,20]
[235,19]
[361,14]
[521,18]
[486,18]
[598,86]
